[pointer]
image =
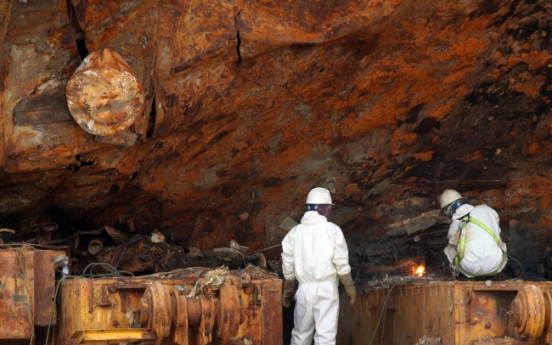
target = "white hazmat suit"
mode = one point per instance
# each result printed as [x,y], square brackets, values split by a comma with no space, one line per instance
[315,253]
[482,255]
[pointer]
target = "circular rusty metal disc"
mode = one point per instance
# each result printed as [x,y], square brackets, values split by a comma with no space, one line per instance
[205,328]
[529,311]
[145,309]
[194,311]
[229,312]
[160,305]
[547,294]
[181,335]
[103,95]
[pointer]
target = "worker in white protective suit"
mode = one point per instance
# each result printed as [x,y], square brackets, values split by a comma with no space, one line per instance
[474,245]
[315,254]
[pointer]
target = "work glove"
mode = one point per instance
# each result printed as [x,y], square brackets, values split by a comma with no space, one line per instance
[451,252]
[347,281]
[288,292]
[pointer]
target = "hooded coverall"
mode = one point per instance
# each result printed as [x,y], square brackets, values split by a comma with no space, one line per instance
[482,255]
[315,253]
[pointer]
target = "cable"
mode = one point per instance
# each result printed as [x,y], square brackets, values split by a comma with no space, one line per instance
[112,273]
[520,265]
[134,239]
[381,313]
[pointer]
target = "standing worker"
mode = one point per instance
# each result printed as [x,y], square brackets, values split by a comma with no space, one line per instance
[315,253]
[475,248]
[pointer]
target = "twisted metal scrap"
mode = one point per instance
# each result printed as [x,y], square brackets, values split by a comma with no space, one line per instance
[212,281]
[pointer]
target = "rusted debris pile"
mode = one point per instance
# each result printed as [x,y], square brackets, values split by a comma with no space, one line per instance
[429,341]
[410,247]
[389,281]
[138,253]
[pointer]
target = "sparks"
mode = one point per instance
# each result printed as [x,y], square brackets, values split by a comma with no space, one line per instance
[420,270]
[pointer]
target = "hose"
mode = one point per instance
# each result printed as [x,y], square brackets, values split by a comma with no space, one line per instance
[112,273]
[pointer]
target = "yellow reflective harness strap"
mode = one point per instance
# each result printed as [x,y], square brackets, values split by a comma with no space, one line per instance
[463,242]
[486,228]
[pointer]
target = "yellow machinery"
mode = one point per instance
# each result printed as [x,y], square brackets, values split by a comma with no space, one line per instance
[456,312]
[243,308]
[190,307]
[151,311]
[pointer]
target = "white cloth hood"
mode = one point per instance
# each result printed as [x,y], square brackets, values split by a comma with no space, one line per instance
[462,211]
[313,217]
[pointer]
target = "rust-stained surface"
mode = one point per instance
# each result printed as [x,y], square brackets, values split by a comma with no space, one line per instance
[160,309]
[26,293]
[459,312]
[247,105]
[103,95]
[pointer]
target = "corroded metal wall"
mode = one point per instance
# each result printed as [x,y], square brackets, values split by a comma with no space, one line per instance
[449,312]
[247,105]
[27,286]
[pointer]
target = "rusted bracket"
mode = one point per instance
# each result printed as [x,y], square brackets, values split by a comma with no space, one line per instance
[253,290]
[104,301]
[127,286]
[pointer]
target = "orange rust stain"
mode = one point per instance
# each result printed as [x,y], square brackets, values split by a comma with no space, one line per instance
[471,157]
[399,139]
[409,167]
[458,77]
[424,156]
[444,109]
[541,189]
[532,149]
[530,87]
[382,171]
[470,47]
[353,187]
[534,59]
[412,179]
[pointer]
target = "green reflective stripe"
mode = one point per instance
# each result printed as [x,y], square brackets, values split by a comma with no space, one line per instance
[462,248]
[462,243]
[486,228]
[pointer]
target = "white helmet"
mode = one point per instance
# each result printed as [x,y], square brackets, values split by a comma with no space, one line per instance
[448,197]
[319,196]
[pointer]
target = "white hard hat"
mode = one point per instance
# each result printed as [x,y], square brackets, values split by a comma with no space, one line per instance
[319,196]
[448,197]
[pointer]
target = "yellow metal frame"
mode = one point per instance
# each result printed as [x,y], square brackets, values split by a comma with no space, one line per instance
[458,312]
[126,334]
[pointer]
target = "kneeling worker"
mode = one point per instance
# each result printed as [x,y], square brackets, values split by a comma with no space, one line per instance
[475,248]
[315,253]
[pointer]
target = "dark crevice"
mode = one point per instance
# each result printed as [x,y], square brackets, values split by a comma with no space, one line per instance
[238,45]
[238,36]
[114,189]
[151,121]
[81,47]
[81,44]
[81,163]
